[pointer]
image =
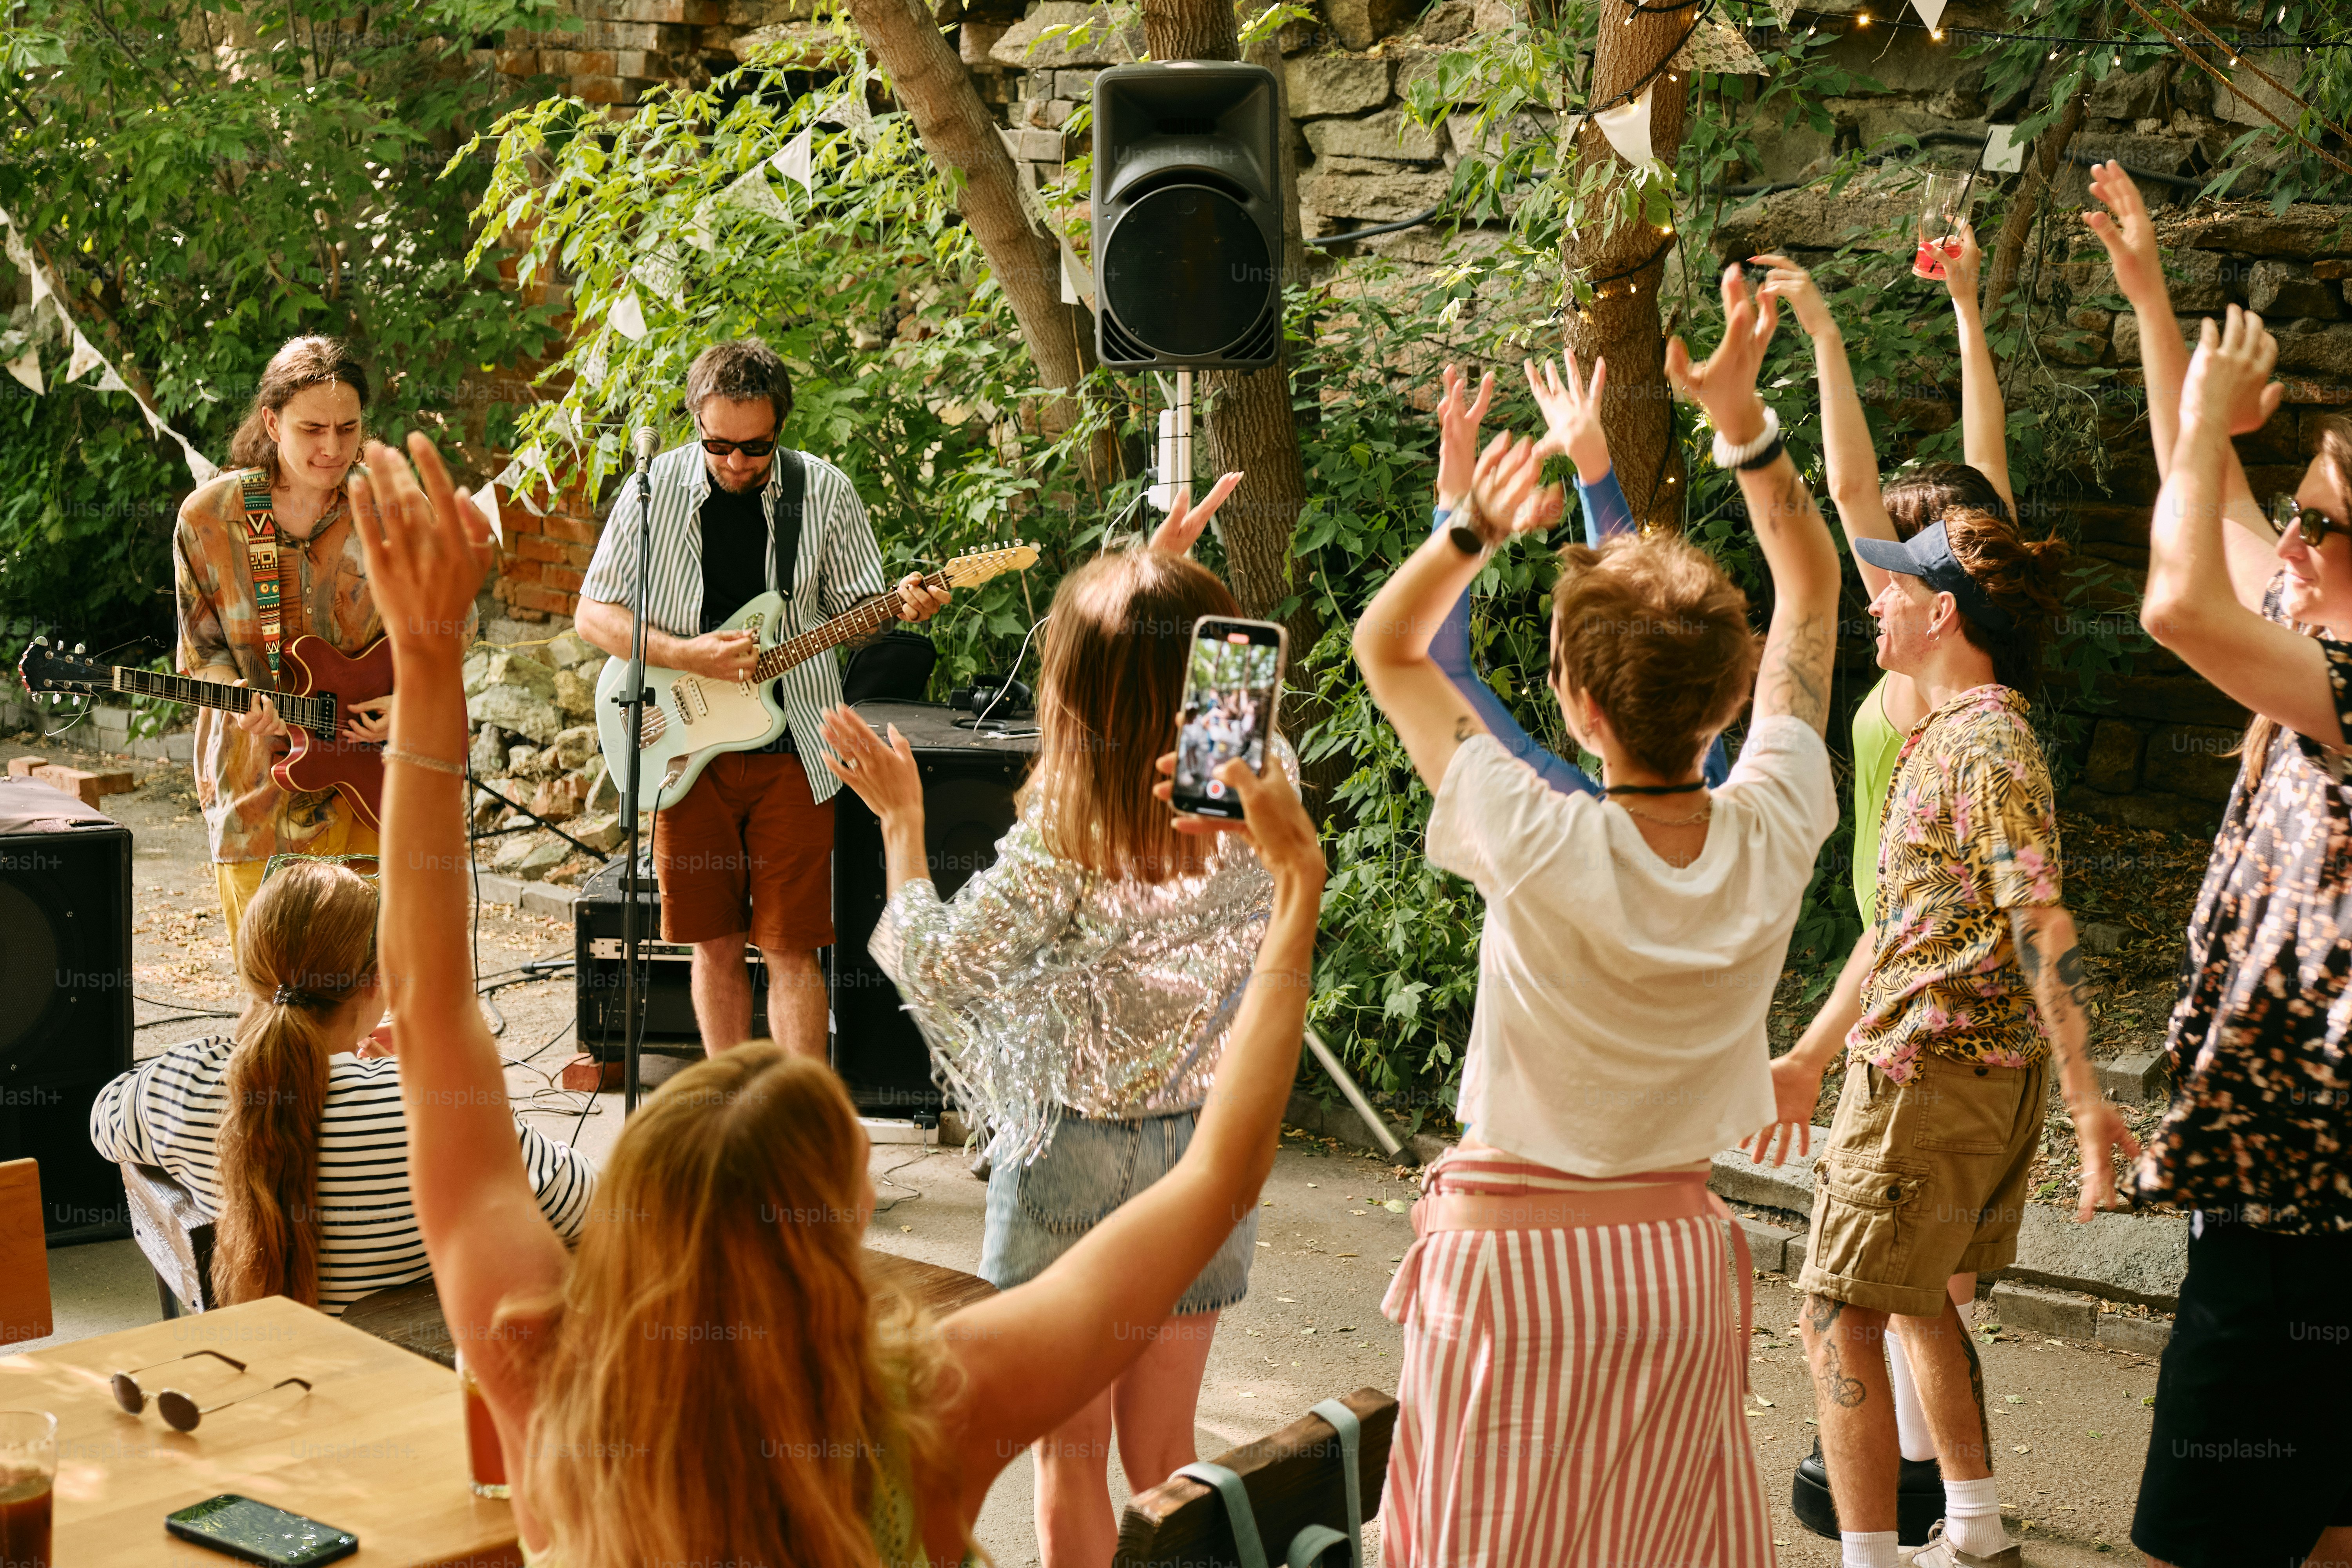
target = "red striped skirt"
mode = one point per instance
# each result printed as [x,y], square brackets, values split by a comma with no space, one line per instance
[1573,1375]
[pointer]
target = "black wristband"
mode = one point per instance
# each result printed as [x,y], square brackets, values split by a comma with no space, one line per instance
[1466,540]
[1764,458]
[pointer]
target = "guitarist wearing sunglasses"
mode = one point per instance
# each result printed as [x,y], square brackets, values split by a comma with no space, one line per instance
[747,852]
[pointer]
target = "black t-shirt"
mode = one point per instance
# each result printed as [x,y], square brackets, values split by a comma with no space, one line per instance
[735,563]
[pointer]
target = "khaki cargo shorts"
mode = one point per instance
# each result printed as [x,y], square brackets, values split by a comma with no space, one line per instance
[1922,1181]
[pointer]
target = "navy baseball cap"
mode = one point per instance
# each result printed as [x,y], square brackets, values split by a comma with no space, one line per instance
[1928,557]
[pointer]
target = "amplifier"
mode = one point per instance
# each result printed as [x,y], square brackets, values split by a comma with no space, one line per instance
[662,981]
[969,780]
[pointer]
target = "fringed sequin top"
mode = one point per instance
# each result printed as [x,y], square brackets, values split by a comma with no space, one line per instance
[1044,987]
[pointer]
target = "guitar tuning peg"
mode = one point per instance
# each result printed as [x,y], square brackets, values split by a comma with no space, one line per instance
[40,642]
[79,648]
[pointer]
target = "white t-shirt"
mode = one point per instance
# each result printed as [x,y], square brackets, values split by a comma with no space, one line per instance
[1620,1024]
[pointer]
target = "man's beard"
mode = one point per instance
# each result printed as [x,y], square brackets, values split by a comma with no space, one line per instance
[733,488]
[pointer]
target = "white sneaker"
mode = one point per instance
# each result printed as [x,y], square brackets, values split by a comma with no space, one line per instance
[1941,1554]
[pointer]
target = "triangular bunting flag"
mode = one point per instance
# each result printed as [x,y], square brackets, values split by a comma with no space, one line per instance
[84,358]
[2004,152]
[849,109]
[40,287]
[660,273]
[20,254]
[1722,48]
[1627,126]
[199,467]
[1784,10]
[528,505]
[1930,12]
[698,232]
[486,501]
[108,381]
[26,368]
[1078,283]
[793,162]
[753,191]
[155,426]
[592,364]
[628,318]
[1032,202]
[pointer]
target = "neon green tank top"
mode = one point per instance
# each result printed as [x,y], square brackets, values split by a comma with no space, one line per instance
[1876,744]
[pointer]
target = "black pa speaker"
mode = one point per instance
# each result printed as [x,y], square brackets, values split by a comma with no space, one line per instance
[65,973]
[968,785]
[664,994]
[1188,216]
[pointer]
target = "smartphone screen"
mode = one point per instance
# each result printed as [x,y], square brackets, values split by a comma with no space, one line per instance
[260,1533]
[1230,685]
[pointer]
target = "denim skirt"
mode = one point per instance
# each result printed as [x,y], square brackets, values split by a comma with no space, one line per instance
[1038,1212]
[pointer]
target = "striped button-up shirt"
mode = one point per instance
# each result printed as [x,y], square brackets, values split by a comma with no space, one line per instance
[837,565]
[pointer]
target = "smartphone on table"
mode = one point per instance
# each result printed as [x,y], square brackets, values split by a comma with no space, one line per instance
[256,1533]
[1233,677]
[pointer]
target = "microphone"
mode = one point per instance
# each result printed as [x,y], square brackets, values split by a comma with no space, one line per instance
[645,441]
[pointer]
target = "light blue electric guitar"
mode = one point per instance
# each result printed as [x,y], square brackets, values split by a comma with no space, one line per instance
[691,717]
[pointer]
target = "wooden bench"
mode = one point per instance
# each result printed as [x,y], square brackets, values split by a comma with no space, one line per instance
[1293,1480]
[176,1237]
[24,1313]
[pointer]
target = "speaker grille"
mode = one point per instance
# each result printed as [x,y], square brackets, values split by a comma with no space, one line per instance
[1186,273]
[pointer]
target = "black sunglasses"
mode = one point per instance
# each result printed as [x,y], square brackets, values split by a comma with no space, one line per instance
[718,448]
[2286,511]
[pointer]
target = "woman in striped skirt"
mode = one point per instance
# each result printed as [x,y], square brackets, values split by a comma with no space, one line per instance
[291,1134]
[1574,1303]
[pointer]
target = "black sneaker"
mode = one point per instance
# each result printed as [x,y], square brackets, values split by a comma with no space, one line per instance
[1919,1497]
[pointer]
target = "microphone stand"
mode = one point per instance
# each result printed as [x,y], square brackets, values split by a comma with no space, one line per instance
[633,704]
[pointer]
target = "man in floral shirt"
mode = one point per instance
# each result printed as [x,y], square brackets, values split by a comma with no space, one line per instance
[1972,977]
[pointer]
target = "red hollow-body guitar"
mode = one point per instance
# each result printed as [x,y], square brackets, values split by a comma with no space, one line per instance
[320,687]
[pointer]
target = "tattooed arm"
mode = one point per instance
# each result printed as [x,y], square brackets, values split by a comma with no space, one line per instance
[1794,677]
[2045,934]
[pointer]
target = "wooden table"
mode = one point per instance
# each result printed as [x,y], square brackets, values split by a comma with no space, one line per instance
[377,1448]
[410,1315]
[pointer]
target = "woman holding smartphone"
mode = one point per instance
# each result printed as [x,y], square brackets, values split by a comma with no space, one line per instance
[1080,991]
[708,1378]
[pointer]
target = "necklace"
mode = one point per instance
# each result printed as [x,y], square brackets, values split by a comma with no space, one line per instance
[1701,815]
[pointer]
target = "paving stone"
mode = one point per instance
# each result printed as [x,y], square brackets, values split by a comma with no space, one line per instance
[2147,1336]
[1773,1248]
[548,900]
[498,890]
[2136,1078]
[2139,1258]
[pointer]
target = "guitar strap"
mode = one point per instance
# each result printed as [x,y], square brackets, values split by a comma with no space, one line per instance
[261,554]
[785,541]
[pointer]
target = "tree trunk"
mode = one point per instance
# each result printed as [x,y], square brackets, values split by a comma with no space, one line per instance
[964,141]
[2017,225]
[1624,263]
[1248,419]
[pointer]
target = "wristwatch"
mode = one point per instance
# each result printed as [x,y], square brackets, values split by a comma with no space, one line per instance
[1727,456]
[1462,529]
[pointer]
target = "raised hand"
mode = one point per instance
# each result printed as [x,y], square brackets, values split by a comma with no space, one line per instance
[1788,282]
[1571,411]
[1458,434]
[2229,381]
[1726,384]
[1507,493]
[428,548]
[2126,232]
[884,775]
[1961,268]
[1272,820]
[1182,528]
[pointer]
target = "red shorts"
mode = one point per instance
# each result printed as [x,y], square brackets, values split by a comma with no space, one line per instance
[747,850]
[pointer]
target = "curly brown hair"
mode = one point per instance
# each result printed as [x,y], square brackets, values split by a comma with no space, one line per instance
[1652,630]
[2021,576]
[1917,497]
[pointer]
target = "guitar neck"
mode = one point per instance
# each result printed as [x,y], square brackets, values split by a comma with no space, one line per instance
[313,713]
[862,621]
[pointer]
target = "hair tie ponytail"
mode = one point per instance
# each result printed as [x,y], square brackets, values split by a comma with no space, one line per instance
[293,996]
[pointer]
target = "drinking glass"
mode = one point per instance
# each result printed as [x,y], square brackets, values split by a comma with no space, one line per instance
[1943,206]
[484,1454]
[29,1476]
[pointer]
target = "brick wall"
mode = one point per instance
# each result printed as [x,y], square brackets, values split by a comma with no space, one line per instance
[544,556]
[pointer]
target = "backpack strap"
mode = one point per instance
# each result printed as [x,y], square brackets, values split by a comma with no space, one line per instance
[1349,1431]
[261,555]
[1238,1513]
[784,539]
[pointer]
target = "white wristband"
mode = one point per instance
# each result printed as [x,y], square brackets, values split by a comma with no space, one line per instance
[1727,456]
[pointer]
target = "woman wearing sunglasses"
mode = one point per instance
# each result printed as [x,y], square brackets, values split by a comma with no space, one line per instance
[708,1378]
[2248,1453]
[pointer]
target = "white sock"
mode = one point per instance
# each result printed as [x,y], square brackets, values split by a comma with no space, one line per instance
[1972,1517]
[1910,1417]
[1867,1549]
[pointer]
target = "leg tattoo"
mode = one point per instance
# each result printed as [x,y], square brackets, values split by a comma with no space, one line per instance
[1976,1382]
[1845,1392]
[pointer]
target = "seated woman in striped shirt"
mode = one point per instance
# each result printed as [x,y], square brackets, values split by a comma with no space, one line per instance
[295,1146]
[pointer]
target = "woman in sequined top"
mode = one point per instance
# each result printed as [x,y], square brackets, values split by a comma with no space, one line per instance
[1079,990]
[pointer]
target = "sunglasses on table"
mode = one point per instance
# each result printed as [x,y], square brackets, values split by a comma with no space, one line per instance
[2286,511]
[719,447]
[179,1410]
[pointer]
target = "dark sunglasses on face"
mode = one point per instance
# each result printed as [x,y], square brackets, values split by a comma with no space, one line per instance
[2286,511]
[719,447]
